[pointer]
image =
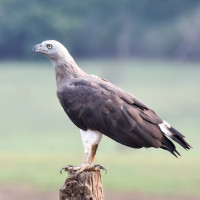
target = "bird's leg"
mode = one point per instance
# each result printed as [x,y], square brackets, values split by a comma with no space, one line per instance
[70,167]
[88,160]
[90,140]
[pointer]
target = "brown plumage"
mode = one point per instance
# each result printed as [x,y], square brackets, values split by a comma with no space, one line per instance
[92,103]
[95,104]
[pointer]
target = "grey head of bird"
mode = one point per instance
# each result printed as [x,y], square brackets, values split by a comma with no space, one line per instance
[54,50]
[64,64]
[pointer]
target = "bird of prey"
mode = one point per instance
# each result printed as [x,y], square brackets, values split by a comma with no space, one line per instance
[98,107]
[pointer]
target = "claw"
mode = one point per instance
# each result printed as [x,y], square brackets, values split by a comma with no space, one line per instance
[101,167]
[67,168]
[82,168]
[91,168]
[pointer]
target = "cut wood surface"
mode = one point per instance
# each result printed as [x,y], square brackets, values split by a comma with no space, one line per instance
[85,186]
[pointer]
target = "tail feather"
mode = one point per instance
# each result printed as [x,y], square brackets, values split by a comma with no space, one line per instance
[177,152]
[169,146]
[174,135]
[173,130]
[170,150]
[179,138]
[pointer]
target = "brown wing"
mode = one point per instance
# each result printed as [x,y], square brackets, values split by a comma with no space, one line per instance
[99,105]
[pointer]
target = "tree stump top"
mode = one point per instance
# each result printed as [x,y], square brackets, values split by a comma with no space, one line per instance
[84,186]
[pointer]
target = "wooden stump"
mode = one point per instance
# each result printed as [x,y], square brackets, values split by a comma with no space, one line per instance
[85,186]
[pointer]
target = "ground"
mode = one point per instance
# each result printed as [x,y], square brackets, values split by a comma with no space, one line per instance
[37,139]
[26,193]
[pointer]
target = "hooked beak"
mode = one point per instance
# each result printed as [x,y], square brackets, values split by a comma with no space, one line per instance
[36,48]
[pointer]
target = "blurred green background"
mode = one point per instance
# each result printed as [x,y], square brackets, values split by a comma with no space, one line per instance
[149,48]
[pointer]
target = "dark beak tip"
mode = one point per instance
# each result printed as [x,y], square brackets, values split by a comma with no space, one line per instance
[35,49]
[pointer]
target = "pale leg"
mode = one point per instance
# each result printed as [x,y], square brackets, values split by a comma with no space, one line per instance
[90,140]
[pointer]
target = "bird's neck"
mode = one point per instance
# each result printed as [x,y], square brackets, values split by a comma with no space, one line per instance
[67,69]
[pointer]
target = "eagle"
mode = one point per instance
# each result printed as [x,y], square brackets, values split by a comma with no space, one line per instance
[98,107]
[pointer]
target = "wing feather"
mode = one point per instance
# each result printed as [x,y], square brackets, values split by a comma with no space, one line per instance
[99,105]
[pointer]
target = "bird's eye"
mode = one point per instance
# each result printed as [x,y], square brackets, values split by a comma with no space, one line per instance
[49,46]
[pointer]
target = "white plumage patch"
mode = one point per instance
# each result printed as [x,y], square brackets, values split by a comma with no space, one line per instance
[164,127]
[94,75]
[90,138]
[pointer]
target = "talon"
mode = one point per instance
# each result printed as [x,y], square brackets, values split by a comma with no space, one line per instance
[67,168]
[83,168]
[101,167]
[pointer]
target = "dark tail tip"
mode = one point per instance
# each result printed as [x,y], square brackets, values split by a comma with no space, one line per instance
[179,138]
[173,130]
[169,146]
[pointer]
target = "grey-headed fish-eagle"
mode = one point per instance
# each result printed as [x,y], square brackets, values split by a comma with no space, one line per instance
[98,107]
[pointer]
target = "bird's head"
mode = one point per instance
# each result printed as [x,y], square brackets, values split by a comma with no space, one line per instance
[54,50]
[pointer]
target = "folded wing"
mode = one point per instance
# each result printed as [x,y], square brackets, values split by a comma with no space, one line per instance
[96,104]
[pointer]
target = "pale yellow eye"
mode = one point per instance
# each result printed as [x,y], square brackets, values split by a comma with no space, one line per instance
[49,46]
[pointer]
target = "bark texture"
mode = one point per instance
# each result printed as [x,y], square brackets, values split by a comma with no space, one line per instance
[85,186]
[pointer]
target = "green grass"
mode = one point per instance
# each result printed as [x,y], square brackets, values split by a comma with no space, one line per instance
[37,139]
